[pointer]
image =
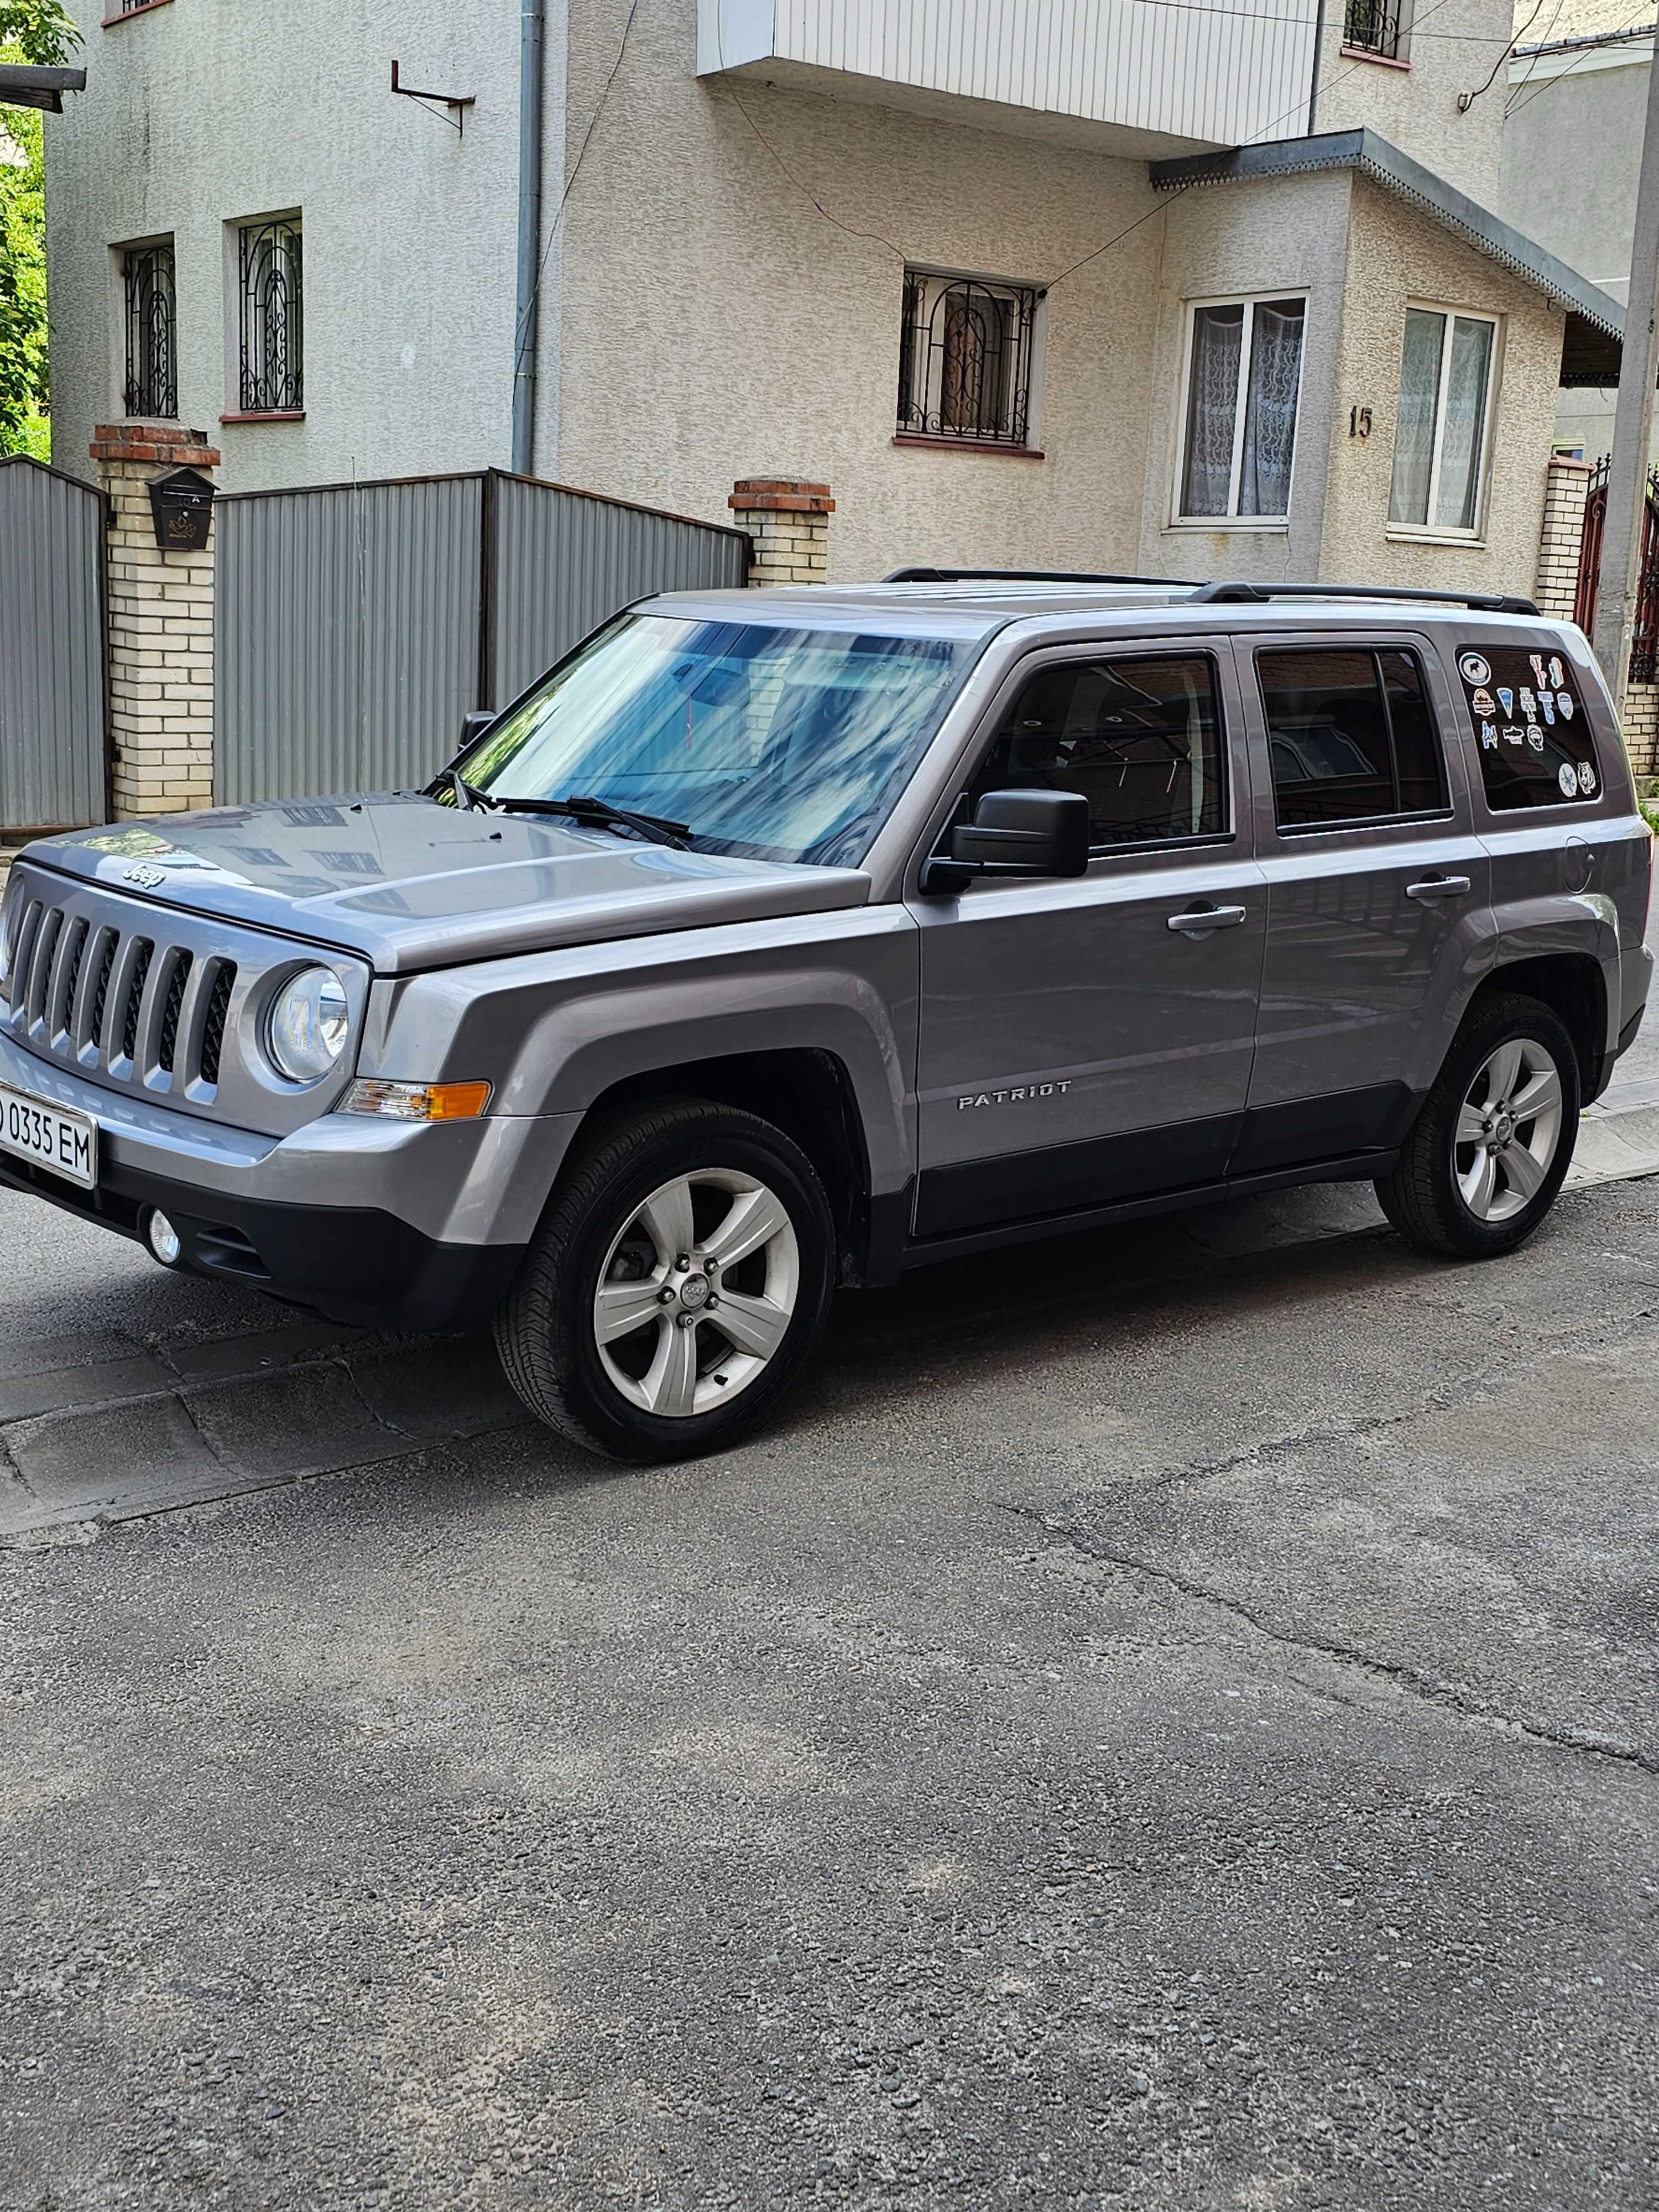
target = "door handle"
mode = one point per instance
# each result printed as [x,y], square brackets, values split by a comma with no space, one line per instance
[1438,887]
[1207,918]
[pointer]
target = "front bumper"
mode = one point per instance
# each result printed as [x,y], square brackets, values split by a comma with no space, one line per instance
[370,1222]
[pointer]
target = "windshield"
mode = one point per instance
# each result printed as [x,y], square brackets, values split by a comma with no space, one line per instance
[781,744]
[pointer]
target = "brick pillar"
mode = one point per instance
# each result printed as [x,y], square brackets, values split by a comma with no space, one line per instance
[1567,482]
[160,627]
[788,525]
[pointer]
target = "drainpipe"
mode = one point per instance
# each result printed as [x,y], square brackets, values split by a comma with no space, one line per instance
[1313,81]
[527,318]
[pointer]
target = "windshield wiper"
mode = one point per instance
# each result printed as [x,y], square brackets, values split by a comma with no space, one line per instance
[468,797]
[602,815]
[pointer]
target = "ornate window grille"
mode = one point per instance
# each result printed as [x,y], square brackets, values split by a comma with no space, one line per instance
[151,386]
[273,318]
[965,360]
[1371,28]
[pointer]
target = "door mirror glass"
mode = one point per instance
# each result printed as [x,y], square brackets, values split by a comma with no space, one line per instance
[1031,833]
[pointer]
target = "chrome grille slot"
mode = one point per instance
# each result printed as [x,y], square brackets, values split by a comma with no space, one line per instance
[213,1025]
[46,943]
[143,953]
[92,1041]
[181,964]
[23,960]
[139,997]
[65,974]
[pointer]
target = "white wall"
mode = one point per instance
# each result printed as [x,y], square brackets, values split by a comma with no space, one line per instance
[203,111]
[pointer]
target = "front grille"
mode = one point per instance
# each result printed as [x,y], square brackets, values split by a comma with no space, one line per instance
[156,1001]
[115,1002]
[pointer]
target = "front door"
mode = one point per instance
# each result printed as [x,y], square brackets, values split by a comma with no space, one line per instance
[1375,886]
[1090,1040]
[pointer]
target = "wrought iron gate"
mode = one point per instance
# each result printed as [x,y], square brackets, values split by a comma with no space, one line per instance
[1644,635]
[53,718]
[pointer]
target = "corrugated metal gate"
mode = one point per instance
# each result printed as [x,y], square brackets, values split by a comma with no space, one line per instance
[356,623]
[53,749]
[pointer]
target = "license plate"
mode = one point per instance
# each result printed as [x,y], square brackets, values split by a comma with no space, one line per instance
[53,1137]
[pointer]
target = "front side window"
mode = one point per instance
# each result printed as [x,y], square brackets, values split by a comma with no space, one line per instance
[150,386]
[965,353]
[1350,736]
[781,745]
[1142,739]
[1533,733]
[1243,378]
[272,318]
[1440,437]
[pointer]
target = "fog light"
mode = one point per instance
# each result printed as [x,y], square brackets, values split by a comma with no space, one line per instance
[163,1238]
[416,1102]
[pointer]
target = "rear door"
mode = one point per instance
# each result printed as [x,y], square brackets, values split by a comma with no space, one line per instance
[1375,883]
[1090,1040]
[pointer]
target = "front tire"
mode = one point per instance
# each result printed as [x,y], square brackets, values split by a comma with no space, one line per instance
[1494,1139]
[680,1278]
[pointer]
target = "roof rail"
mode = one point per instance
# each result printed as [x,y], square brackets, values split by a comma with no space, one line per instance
[1017,576]
[1487,603]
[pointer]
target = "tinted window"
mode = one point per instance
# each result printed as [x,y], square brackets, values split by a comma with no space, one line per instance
[1139,738]
[1531,730]
[1350,736]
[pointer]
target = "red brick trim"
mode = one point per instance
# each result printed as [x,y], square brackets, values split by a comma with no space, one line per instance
[152,441]
[968,445]
[781,495]
[268,415]
[144,7]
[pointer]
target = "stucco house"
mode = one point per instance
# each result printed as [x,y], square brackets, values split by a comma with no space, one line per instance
[1573,140]
[1111,284]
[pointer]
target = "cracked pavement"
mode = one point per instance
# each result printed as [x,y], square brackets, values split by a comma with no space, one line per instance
[1166,1720]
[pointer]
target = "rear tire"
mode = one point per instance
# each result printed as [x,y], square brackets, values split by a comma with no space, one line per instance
[1494,1138]
[681,1276]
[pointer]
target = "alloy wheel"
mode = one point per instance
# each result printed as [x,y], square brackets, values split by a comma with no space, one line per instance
[697,1292]
[1509,1127]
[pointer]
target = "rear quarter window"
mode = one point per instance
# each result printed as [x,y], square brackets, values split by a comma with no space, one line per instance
[1531,730]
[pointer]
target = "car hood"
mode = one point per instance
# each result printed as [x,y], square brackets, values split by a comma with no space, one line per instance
[411,884]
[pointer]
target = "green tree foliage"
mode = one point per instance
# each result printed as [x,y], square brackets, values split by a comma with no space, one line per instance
[38,31]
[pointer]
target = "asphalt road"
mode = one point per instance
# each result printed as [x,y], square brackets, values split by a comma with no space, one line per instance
[1162,1723]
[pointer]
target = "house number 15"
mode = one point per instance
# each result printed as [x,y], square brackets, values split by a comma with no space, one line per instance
[1360,422]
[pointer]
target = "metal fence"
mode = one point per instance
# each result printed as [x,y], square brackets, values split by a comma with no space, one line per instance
[52,712]
[356,623]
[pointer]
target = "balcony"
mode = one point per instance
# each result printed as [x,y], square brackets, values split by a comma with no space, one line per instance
[1143,79]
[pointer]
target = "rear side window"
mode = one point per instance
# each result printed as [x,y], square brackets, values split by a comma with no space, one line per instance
[1140,737]
[1533,733]
[1350,736]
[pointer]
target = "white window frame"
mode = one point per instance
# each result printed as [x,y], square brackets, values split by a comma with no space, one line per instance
[1445,533]
[1249,301]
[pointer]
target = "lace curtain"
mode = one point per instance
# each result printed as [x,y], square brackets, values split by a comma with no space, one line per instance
[1264,476]
[1211,402]
[1419,396]
[1466,423]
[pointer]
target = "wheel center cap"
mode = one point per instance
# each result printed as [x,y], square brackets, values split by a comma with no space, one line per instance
[694,1291]
[1504,1129]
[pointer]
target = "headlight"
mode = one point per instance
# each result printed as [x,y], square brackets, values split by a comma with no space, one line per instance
[305,1028]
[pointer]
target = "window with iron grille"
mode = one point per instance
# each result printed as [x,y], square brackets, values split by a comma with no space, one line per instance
[965,357]
[1371,27]
[269,267]
[151,382]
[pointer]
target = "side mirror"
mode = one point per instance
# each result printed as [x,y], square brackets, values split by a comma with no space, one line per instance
[1024,833]
[474,724]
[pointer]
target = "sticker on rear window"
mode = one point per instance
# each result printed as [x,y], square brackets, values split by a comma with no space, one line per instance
[1542,753]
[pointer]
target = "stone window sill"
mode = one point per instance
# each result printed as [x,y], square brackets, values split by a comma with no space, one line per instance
[268,415]
[1382,61]
[144,7]
[968,445]
[1256,522]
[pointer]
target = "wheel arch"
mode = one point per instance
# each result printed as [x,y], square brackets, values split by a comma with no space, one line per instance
[804,1091]
[1574,987]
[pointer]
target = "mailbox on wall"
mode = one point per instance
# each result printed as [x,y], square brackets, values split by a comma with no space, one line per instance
[182,504]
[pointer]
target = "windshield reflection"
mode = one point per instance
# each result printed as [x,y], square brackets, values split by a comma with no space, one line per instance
[781,745]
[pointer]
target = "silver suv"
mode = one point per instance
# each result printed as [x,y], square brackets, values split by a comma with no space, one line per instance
[781,941]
